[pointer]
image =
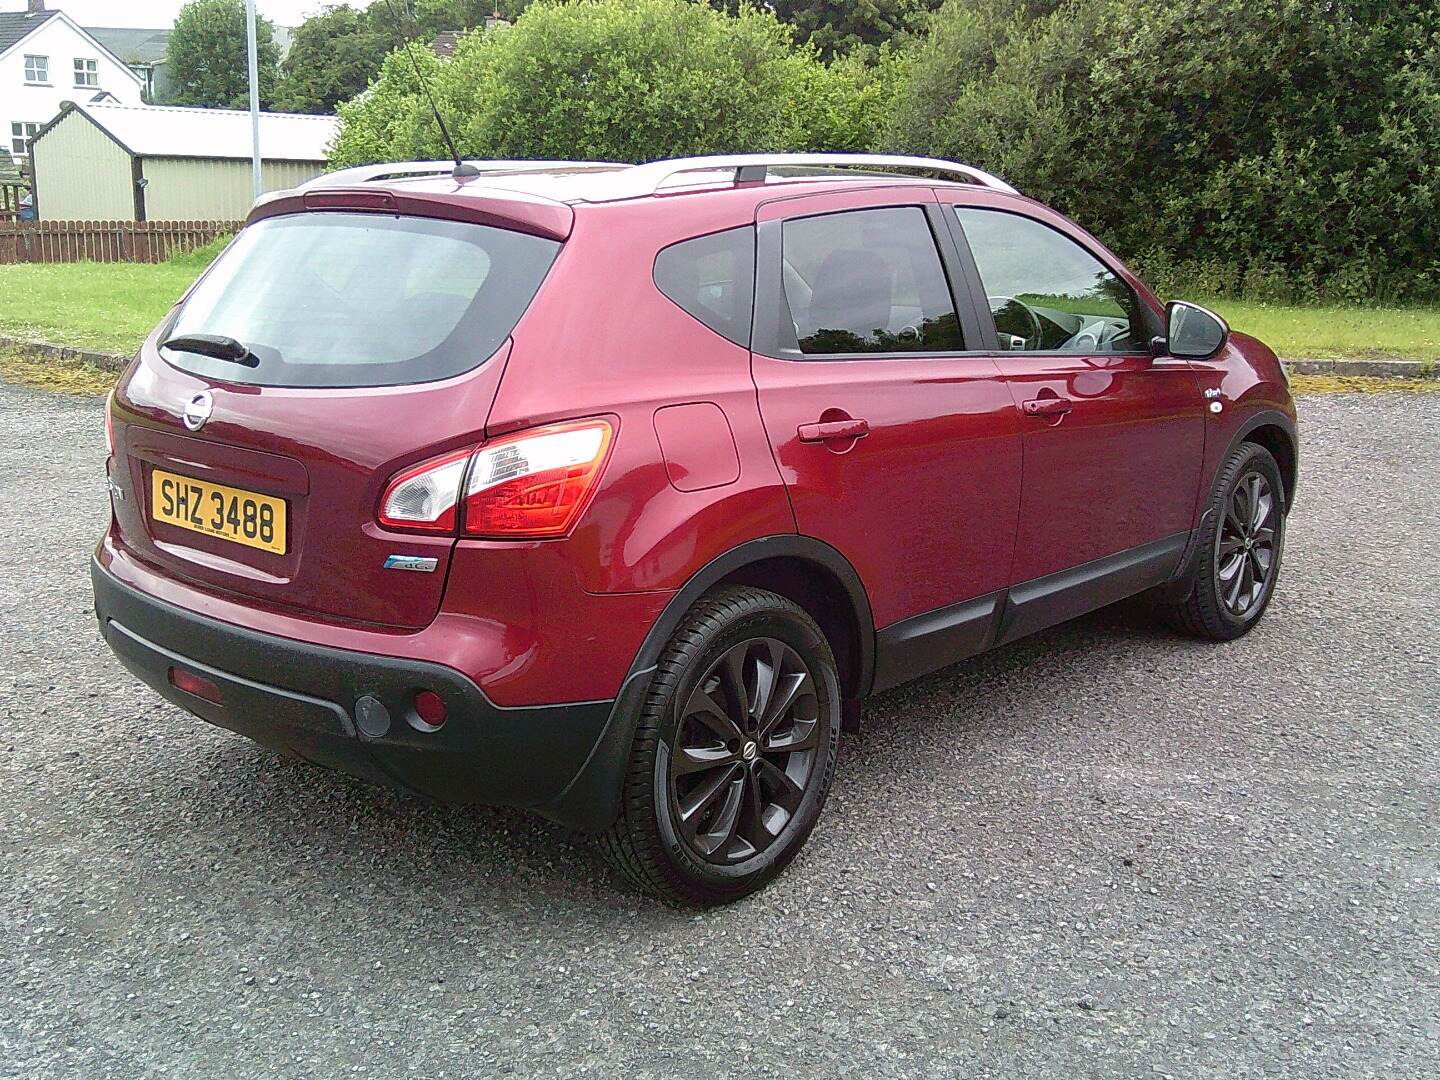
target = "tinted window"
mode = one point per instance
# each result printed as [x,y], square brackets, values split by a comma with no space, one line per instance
[713,278]
[1047,293]
[867,281]
[339,299]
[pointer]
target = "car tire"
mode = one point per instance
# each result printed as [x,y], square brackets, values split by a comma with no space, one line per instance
[1239,557]
[734,751]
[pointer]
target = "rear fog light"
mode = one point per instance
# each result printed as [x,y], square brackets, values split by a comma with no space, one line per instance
[430,708]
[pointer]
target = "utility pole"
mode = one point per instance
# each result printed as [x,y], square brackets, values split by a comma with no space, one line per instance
[254,59]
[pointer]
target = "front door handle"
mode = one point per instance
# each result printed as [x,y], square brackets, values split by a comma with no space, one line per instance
[829,430]
[1050,406]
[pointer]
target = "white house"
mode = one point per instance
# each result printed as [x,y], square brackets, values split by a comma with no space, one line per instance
[46,58]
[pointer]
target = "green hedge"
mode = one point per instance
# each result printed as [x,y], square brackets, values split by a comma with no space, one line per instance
[621,80]
[1271,149]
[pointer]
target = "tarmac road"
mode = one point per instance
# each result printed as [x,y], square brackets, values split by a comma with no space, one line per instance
[1103,851]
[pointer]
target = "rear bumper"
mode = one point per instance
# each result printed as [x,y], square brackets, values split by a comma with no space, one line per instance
[300,699]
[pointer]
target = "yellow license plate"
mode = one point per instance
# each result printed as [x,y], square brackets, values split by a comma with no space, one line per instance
[244,517]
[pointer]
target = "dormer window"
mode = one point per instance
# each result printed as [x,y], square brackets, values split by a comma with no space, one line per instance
[87,72]
[37,70]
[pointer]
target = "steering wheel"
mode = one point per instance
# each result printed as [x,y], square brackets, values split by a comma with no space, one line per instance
[1096,336]
[1015,321]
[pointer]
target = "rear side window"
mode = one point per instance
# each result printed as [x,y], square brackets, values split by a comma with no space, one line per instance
[340,299]
[867,281]
[713,278]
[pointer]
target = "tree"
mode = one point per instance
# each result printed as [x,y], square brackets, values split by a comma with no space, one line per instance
[207,55]
[333,56]
[1282,149]
[836,27]
[623,80]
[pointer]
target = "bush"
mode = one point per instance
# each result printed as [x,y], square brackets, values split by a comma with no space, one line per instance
[623,80]
[1284,147]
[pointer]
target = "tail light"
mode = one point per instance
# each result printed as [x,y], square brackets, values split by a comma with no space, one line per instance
[534,483]
[109,426]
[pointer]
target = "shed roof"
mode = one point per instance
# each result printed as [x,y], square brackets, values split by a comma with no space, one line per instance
[162,131]
[16,25]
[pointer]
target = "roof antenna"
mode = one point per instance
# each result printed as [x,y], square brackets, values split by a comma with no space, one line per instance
[463,169]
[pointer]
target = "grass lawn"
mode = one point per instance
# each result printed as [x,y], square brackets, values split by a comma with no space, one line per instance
[1304,333]
[110,307]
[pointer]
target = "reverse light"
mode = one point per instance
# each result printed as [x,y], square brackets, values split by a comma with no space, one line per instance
[536,482]
[424,497]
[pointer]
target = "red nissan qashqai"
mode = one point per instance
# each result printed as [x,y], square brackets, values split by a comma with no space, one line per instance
[610,491]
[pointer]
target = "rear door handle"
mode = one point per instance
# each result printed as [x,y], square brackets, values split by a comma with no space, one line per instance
[1050,406]
[833,429]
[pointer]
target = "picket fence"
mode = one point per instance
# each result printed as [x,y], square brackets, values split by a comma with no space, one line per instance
[104,241]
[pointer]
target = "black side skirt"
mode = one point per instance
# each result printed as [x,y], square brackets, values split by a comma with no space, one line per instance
[925,643]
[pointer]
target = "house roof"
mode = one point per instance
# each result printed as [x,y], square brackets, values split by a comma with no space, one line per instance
[15,26]
[160,131]
[132,45]
[444,44]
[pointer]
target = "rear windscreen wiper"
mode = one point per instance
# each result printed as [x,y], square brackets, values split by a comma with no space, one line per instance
[217,345]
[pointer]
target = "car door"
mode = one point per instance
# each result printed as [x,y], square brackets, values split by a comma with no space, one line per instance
[898,448]
[1113,436]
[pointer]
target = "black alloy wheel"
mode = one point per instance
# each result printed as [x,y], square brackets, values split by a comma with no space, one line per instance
[744,751]
[1245,557]
[734,750]
[1236,565]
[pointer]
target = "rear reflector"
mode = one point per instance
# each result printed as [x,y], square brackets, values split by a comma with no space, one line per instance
[198,685]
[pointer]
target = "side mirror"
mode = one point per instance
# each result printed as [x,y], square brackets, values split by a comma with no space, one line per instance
[1193,332]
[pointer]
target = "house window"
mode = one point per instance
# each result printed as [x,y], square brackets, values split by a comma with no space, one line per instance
[37,69]
[20,135]
[87,72]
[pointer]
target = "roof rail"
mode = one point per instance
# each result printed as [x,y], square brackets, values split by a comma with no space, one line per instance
[652,176]
[365,174]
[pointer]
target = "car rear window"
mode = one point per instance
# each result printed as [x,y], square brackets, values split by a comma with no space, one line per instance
[342,299]
[713,278]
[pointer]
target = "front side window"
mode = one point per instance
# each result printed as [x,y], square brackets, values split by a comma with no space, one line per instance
[1047,293]
[713,278]
[354,299]
[87,72]
[867,281]
[37,69]
[20,135]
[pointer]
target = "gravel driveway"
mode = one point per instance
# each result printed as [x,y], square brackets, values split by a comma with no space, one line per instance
[1103,851]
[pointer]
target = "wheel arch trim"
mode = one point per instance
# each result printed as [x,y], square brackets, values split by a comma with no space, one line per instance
[591,801]
[1264,418]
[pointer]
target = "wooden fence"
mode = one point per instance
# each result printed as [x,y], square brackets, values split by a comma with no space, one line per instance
[104,241]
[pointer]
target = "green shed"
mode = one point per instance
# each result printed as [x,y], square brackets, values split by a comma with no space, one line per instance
[107,162]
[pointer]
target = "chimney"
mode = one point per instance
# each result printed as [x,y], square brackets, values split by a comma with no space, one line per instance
[36,7]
